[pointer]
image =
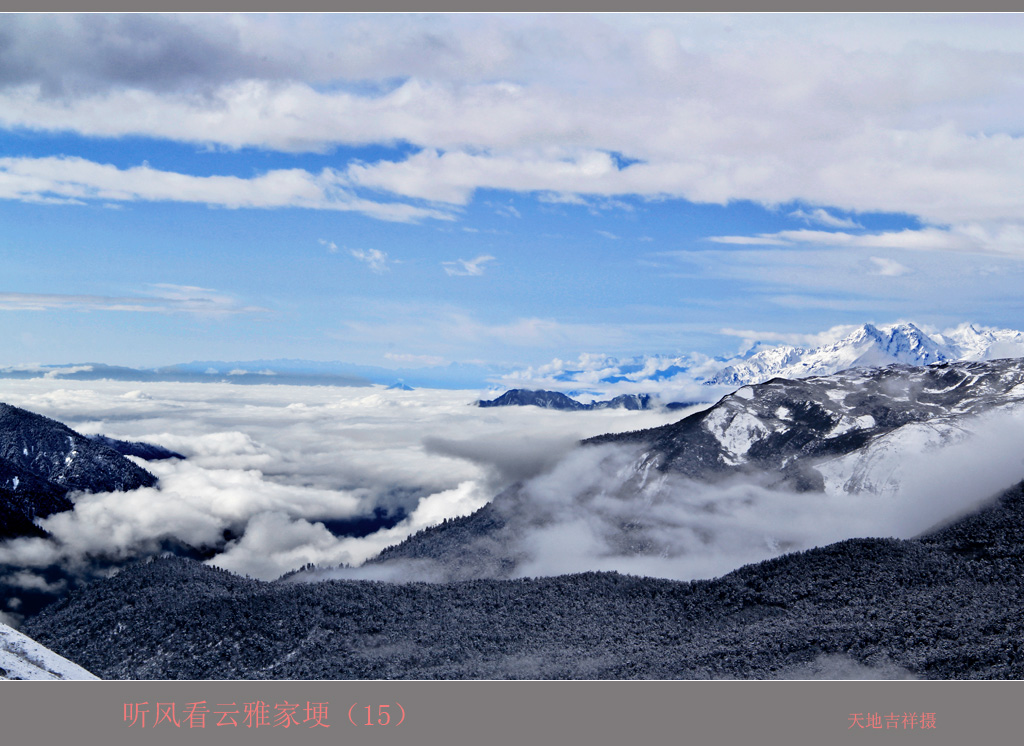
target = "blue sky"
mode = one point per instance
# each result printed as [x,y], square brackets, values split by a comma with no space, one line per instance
[420,190]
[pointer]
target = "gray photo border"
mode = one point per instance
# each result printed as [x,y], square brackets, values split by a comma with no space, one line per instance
[493,712]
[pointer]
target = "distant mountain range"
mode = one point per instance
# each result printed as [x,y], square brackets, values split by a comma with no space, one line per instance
[557,400]
[281,371]
[862,602]
[596,375]
[867,347]
[848,430]
[871,346]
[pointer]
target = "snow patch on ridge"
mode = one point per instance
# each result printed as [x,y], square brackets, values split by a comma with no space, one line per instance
[846,424]
[736,431]
[882,467]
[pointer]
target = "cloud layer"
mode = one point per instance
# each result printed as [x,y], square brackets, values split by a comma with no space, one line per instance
[72,180]
[270,465]
[878,113]
[162,298]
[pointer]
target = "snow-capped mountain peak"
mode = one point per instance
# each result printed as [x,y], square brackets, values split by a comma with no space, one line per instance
[872,346]
[974,343]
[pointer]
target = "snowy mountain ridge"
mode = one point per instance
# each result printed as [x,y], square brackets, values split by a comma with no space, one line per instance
[848,432]
[874,346]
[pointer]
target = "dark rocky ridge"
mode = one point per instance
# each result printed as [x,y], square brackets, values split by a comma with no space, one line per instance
[558,400]
[947,605]
[42,461]
[24,497]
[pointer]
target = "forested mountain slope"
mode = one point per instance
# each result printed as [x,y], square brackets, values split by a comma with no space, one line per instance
[42,460]
[947,605]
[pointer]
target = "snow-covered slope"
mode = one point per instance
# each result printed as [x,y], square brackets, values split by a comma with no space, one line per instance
[23,658]
[969,342]
[852,427]
[871,346]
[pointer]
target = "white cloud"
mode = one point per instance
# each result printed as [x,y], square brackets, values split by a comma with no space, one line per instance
[375,259]
[917,115]
[555,198]
[607,234]
[928,188]
[824,217]
[889,267]
[763,239]
[467,267]
[453,176]
[275,542]
[508,211]
[161,298]
[970,238]
[80,180]
[428,361]
[330,245]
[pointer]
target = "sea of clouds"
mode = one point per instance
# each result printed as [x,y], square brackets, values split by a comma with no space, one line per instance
[600,508]
[270,464]
[268,468]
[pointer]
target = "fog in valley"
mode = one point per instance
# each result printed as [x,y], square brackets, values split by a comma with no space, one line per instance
[276,477]
[274,466]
